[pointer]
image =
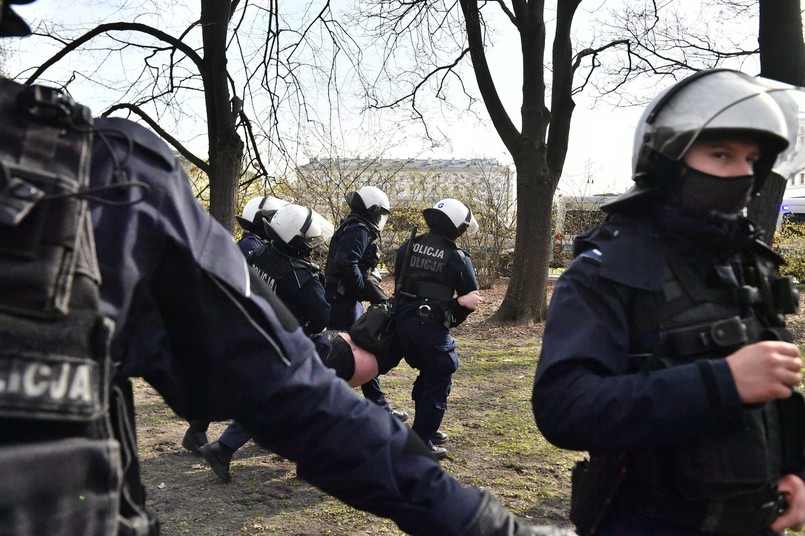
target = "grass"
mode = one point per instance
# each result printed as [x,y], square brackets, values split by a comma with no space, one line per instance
[494,445]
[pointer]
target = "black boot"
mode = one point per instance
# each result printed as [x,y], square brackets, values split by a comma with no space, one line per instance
[400,414]
[439,438]
[193,440]
[218,456]
[439,452]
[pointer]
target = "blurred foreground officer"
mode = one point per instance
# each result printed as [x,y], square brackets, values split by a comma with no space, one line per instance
[430,272]
[351,271]
[665,353]
[68,455]
[256,211]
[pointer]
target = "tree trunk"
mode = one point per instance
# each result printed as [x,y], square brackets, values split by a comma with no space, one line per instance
[525,300]
[782,57]
[226,147]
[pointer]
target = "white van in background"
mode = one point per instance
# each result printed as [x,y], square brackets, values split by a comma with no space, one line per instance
[791,242]
[792,209]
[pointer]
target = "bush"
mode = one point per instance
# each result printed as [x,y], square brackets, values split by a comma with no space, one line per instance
[789,242]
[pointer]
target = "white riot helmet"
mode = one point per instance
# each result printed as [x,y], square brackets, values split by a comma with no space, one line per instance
[710,103]
[258,209]
[299,227]
[372,202]
[451,217]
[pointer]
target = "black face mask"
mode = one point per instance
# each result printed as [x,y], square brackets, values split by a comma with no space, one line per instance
[710,193]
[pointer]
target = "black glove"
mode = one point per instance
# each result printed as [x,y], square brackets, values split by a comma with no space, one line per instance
[371,290]
[457,314]
[492,519]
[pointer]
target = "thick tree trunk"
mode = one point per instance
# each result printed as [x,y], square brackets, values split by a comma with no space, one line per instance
[226,147]
[525,300]
[782,57]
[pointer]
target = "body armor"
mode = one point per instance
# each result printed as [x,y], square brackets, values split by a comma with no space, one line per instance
[693,311]
[56,385]
[427,275]
[272,265]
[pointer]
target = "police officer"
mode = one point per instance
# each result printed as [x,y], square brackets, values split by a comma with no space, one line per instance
[351,271]
[665,353]
[235,351]
[284,265]
[256,211]
[429,274]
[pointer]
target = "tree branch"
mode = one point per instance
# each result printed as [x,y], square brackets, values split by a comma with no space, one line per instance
[192,158]
[121,26]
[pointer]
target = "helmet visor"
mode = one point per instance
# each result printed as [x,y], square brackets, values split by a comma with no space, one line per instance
[320,231]
[381,221]
[472,226]
[719,101]
[792,160]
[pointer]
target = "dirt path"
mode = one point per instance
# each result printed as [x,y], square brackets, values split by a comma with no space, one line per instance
[494,445]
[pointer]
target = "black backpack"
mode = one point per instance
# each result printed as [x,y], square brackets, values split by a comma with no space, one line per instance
[62,463]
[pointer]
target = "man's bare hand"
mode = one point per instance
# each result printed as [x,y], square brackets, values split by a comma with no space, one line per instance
[765,371]
[793,488]
[470,300]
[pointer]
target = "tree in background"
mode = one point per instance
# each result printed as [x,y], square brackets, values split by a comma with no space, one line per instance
[233,69]
[443,36]
[782,57]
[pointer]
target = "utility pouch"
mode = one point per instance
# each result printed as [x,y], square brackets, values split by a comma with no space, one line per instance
[792,431]
[595,484]
[371,330]
[66,487]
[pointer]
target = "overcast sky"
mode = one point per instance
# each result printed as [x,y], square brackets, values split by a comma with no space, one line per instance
[601,135]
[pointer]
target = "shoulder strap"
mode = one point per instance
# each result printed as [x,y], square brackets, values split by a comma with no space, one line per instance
[399,284]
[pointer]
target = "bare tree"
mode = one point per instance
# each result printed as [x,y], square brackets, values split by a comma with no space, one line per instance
[782,57]
[455,32]
[240,61]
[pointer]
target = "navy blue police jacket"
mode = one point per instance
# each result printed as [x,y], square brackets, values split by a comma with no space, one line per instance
[235,351]
[250,242]
[587,393]
[299,287]
[353,256]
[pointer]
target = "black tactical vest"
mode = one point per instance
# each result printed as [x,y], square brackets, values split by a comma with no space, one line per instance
[716,484]
[427,276]
[270,265]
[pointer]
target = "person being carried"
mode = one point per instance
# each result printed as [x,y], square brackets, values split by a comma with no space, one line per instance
[257,212]
[284,265]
